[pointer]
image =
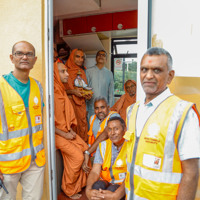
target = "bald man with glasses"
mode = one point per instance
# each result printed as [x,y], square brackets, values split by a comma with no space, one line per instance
[22,156]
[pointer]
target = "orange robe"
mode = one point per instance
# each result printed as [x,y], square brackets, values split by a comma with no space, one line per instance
[74,178]
[78,103]
[124,102]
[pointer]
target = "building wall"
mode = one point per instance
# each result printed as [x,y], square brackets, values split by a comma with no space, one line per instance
[176,27]
[24,20]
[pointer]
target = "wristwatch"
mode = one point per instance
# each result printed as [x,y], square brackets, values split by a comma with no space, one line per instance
[87,152]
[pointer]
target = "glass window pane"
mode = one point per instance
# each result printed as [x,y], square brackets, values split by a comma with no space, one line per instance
[124,69]
[126,48]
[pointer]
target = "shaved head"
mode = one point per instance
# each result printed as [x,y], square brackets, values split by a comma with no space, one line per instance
[13,48]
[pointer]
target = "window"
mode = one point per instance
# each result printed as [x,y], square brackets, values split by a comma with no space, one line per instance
[124,62]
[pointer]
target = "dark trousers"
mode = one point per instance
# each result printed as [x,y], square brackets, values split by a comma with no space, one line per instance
[105,185]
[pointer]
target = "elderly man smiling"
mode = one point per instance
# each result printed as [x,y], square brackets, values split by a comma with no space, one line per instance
[109,168]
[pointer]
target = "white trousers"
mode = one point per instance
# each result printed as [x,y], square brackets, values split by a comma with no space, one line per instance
[31,181]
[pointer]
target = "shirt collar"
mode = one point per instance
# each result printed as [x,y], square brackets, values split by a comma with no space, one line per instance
[160,98]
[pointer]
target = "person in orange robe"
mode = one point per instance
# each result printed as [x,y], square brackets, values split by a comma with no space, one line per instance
[76,96]
[125,100]
[67,141]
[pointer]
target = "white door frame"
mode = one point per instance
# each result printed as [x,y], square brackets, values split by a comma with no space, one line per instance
[50,98]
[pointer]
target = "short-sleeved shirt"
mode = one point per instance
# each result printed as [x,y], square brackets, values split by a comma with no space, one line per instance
[189,142]
[23,89]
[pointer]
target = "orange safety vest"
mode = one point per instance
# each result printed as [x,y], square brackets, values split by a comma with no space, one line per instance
[116,173]
[21,131]
[91,138]
[153,165]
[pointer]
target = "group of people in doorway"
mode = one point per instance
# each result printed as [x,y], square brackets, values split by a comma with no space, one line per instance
[147,149]
[88,94]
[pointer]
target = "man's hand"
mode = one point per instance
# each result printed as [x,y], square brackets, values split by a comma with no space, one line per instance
[107,195]
[69,136]
[73,133]
[88,96]
[93,194]
[85,166]
[78,92]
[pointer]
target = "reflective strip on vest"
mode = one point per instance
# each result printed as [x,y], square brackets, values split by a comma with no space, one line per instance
[116,181]
[161,177]
[134,197]
[92,118]
[169,145]
[15,156]
[19,133]
[38,148]
[103,148]
[129,115]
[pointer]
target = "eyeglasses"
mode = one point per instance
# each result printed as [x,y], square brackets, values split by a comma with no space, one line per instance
[101,54]
[20,54]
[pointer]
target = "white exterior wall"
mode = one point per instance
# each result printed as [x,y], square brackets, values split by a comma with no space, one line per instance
[176,27]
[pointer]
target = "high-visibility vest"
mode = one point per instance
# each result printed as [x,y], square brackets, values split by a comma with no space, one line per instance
[21,131]
[153,165]
[116,173]
[91,138]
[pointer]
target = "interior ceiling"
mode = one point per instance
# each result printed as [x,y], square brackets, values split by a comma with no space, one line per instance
[75,8]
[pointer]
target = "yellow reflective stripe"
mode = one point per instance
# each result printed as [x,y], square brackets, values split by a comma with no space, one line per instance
[134,197]
[169,145]
[116,181]
[92,118]
[102,148]
[127,191]
[37,128]
[161,177]
[129,115]
[15,156]
[38,148]
[128,165]
[19,133]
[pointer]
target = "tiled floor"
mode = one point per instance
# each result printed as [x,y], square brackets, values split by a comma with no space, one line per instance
[62,196]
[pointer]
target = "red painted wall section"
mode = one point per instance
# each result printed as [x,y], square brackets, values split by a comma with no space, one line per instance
[125,20]
[99,23]
[74,26]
